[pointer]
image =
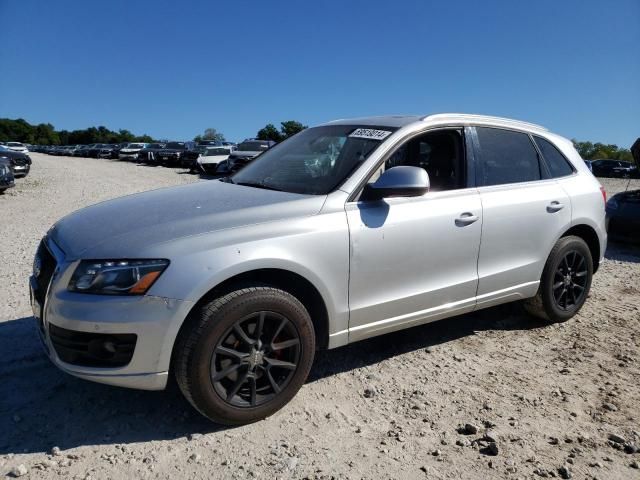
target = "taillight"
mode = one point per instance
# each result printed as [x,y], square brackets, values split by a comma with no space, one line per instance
[604,194]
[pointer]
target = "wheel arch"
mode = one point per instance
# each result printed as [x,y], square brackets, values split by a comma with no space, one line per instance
[286,280]
[589,235]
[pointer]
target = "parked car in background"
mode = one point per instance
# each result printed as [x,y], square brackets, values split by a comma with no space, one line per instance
[243,154]
[614,169]
[94,150]
[6,174]
[17,147]
[209,160]
[131,150]
[189,158]
[84,151]
[345,231]
[623,216]
[107,150]
[172,153]
[20,162]
[148,153]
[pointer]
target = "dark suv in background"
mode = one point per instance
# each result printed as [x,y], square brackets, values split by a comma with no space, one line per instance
[244,154]
[614,169]
[20,162]
[172,153]
[149,153]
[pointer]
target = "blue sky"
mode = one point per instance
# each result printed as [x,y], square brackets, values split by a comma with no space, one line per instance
[172,69]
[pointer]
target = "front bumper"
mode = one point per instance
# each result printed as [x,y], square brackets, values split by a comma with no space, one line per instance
[20,170]
[154,320]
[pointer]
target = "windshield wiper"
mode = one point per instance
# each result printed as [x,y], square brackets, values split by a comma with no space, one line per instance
[257,185]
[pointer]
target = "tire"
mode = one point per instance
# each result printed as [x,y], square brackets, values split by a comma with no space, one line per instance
[548,302]
[211,345]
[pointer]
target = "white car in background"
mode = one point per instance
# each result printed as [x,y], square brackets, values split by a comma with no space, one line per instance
[131,151]
[209,160]
[17,147]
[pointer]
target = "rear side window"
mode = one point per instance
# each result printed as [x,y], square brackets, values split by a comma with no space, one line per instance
[557,163]
[506,157]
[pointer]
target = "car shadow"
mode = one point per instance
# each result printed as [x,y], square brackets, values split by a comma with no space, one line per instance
[622,251]
[43,407]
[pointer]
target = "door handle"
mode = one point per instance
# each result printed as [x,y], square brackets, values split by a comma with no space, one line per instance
[465,219]
[554,207]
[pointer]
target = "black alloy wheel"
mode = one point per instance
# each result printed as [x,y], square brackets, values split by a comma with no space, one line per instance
[565,282]
[244,355]
[570,281]
[255,359]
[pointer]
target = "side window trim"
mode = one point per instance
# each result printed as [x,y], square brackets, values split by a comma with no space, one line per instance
[545,170]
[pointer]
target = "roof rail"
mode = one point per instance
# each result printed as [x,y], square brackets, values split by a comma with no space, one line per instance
[465,116]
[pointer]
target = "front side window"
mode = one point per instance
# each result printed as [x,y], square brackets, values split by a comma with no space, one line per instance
[315,161]
[506,157]
[440,153]
[557,163]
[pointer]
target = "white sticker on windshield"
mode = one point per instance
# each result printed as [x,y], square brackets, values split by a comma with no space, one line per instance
[370,133]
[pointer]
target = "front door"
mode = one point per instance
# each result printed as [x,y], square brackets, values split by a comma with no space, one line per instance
[415,259]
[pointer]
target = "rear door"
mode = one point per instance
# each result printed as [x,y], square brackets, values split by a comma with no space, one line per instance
[524,212]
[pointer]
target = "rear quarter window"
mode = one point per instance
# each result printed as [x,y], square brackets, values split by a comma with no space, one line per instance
[558,165]
[506,157]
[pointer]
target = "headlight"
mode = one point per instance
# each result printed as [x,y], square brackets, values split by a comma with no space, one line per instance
[116,277]
[612,204]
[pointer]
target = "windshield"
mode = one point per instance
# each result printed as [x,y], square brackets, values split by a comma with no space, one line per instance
[135,145]
[253,146]
[315,161]
[15,144]
[176,145]
[217,151]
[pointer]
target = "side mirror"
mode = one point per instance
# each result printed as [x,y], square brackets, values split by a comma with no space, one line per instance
[400,181]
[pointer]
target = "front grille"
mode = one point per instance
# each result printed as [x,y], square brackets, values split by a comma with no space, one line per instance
[19,161]
[92,349]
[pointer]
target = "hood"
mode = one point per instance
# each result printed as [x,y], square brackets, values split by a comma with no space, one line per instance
[12,154]
[125,227]
[631,196]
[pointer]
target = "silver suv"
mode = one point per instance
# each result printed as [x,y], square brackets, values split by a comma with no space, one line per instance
[348,230]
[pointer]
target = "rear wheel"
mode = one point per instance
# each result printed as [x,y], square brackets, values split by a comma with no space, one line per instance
[245,355]
[565,282]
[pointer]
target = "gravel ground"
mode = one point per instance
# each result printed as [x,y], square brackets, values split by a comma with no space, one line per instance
[492,394]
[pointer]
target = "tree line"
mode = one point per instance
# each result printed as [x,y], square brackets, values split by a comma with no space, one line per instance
[45,134]
[594,151]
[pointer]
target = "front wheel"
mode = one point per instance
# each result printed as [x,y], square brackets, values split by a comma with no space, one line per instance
[243,356]
[565,282]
